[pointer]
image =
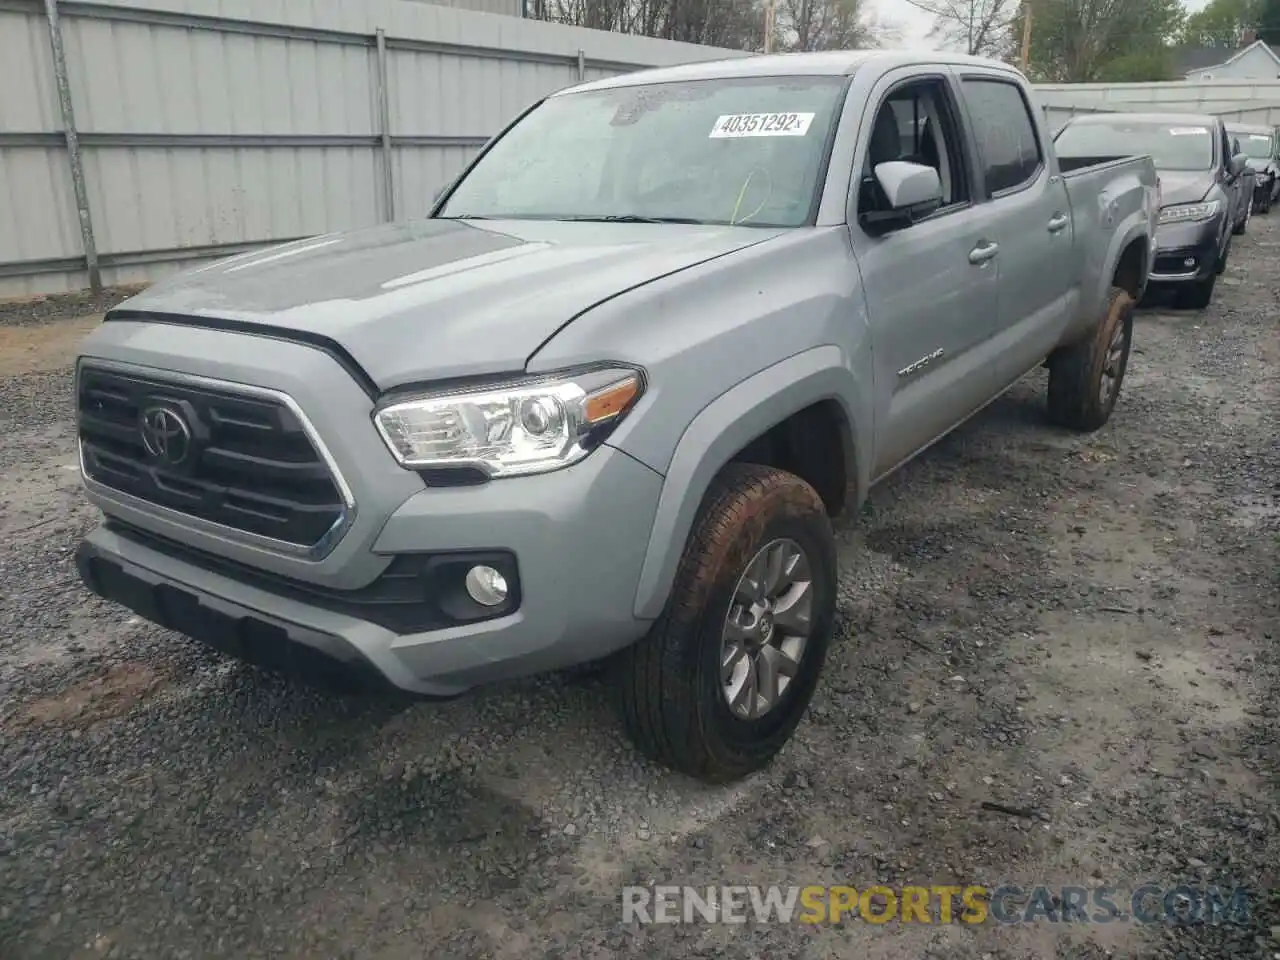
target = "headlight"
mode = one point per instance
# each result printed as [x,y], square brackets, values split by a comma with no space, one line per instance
[522,427]
[1186,212]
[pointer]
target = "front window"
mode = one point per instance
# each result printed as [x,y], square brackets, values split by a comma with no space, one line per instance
[1255,146]
[748,151]
[1172,146]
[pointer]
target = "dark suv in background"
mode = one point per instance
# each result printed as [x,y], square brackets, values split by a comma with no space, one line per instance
[1201,183]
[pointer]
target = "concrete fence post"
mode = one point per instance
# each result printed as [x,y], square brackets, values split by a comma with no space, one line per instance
[384,128]
[73,145]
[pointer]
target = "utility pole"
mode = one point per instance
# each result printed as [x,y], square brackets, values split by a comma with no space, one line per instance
[1026,34]
[768,26]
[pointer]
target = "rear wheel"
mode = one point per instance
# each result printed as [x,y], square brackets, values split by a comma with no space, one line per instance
[718,685]
[1085,379]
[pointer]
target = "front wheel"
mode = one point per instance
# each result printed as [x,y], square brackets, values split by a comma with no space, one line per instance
[1243,226]
[718,685]
[1085,378]
[1198,294]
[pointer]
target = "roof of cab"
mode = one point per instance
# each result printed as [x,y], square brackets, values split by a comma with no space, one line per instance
[832,63]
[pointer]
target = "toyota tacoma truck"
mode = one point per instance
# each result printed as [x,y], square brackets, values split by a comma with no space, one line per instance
[604,402]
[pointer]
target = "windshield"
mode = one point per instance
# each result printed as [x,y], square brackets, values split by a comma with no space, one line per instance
[1255,146]
[743,151]
[1170,145]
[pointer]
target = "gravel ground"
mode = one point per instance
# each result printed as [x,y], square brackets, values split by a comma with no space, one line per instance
[1079,628]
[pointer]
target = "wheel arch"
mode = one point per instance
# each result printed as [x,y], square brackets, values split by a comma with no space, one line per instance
[814,386]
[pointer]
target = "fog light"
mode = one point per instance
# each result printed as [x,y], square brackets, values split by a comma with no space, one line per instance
[1189,262]
[486,586]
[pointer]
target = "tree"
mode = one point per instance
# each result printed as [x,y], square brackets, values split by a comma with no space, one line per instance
[1221,23]
[736,24]
[1094,41]
[979,27]
[827,25]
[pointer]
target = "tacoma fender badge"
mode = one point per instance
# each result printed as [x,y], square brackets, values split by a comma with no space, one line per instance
[920,364]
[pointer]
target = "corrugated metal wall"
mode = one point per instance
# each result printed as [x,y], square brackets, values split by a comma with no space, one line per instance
[209,126]
[1247,101]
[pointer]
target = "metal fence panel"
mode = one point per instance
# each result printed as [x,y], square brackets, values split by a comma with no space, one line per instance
[1252,101]
[206,127]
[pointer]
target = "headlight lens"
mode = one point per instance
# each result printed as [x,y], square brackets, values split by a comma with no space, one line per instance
[529,426]
[1186,212]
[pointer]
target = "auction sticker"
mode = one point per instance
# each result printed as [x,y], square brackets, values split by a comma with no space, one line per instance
[1188,131]
[734,125]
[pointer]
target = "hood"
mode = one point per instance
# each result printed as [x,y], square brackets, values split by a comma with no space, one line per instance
[1185,186]
[435,299]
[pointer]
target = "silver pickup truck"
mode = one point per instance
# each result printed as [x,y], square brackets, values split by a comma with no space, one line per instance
[603,404]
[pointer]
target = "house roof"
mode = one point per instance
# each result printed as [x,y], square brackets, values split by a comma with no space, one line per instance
[1192,64]
[1188,59]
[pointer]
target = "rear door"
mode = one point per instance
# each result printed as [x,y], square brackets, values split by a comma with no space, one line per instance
[1039,291]
[931,286]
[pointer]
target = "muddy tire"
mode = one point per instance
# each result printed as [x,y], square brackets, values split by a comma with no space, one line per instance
[718,685]
[1085,379]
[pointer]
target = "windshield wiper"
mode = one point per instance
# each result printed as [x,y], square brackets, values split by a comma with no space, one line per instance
[633,218]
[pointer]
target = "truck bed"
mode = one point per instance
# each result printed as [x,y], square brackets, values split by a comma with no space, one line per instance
[1107,195]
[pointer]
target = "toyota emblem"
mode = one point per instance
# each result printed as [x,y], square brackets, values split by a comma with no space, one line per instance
[166,434]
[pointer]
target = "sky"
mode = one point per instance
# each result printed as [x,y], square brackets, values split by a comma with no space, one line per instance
[913,25]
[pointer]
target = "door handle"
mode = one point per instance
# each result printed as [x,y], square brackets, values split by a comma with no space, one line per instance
[1058,223]
[983,252]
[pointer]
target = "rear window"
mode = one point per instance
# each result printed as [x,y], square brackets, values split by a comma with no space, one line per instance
[1172,146]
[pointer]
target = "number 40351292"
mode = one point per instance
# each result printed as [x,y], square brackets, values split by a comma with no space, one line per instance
[762,125]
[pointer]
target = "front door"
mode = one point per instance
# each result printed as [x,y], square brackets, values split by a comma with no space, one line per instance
[930,287]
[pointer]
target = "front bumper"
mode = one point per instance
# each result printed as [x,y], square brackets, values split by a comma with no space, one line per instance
[1187,252]
[575,539]
[577,545]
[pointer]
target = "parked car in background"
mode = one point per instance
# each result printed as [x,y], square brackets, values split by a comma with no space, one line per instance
[1200,185]
[1248,181]
[1261,147]
[603,402]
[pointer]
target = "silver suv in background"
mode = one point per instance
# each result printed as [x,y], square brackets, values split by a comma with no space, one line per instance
[1202,202]
[606,400]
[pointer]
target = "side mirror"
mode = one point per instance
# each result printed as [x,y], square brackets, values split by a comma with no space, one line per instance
[913,190]
[1239,163]
[910,186]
